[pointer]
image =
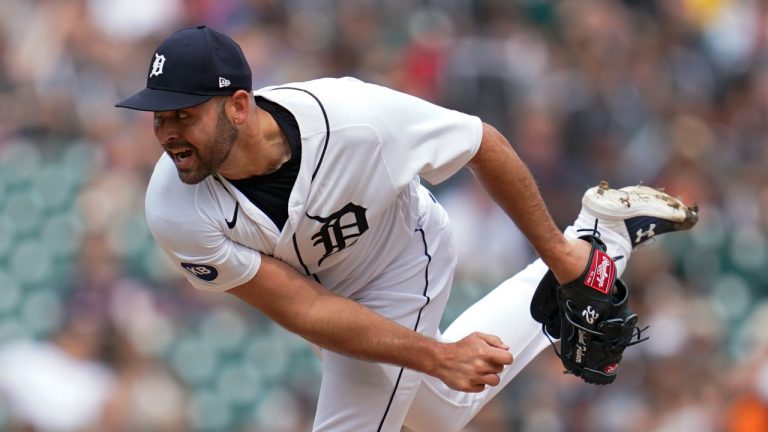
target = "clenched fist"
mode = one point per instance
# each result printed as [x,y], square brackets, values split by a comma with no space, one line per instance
[473,362]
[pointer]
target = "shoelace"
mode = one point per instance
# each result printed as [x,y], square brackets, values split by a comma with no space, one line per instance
[593,231]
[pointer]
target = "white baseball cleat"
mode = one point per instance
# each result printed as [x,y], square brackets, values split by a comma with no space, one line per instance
[645,212]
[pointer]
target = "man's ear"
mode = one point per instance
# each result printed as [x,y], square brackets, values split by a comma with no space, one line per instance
[239,108]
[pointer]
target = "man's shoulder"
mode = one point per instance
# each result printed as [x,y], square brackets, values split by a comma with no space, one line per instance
[338,97]
[327,103]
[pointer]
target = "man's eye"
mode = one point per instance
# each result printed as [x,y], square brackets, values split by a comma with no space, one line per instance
[181,115]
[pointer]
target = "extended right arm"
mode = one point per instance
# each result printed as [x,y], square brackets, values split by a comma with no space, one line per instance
[336,323]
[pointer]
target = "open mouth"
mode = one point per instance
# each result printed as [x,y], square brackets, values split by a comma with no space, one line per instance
[180,155]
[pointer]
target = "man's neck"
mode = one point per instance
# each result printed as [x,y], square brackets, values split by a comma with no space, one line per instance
[261,149]
[274,141]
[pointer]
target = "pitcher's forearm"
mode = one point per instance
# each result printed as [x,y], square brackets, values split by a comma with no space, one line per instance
[346,327]
[306,308]
[509,182]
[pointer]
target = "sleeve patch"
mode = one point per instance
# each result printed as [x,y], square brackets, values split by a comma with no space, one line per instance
[202,271]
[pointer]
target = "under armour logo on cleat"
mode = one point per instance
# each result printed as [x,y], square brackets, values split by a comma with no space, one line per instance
[647,234]
[223,82]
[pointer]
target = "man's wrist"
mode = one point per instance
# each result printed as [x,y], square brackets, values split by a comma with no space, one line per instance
[431,361]
[556,252]
[572,260]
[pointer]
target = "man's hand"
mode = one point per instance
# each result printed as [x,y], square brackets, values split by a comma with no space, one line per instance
[472,363]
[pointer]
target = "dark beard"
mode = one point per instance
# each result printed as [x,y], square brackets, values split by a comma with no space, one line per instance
[219,148]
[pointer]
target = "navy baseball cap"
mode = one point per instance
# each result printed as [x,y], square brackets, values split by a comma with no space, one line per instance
[190,67]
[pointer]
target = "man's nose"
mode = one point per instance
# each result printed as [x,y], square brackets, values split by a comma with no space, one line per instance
[166,133]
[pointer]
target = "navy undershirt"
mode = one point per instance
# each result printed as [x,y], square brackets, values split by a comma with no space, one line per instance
[270,192]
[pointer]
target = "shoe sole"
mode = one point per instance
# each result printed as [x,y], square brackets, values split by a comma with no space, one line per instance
[634,201]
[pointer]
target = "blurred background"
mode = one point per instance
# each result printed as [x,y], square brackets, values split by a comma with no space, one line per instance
[98,333]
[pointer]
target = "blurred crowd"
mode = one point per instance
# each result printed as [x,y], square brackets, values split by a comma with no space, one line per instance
[99,333]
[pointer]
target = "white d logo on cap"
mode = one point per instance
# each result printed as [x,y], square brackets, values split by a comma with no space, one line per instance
[157,66]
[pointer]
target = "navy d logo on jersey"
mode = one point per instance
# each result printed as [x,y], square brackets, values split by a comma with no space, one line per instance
[338,228]
[202,271]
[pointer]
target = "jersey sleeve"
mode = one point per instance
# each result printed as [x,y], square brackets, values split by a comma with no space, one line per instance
[209,260]
[191,238]
[421,138]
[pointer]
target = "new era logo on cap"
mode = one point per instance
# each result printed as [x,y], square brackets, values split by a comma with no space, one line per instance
[188,68]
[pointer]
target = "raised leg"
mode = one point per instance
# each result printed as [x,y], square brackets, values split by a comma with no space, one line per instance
[620,214]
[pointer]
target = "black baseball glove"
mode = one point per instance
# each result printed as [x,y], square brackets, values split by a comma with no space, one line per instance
[590,316]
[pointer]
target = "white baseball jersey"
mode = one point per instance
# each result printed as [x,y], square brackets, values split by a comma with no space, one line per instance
[364,148]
